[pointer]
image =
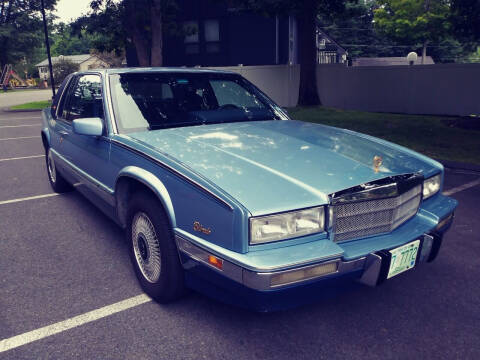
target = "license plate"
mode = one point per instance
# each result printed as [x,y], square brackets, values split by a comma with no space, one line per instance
[403,258]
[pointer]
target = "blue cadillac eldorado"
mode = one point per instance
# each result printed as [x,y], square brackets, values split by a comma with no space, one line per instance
[219,191]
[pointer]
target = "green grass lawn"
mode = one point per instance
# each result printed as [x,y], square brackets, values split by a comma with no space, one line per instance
[449,138]
[36,105]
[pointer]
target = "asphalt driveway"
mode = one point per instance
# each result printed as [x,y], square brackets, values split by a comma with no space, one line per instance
[11,98]
[67,289]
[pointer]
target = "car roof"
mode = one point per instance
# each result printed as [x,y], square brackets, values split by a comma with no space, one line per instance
[156,70]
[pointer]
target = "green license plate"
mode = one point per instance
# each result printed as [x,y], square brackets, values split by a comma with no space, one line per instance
[403,258]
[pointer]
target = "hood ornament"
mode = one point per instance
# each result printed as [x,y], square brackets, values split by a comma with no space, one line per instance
[377,162]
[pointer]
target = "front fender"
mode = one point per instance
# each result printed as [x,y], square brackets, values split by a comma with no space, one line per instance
[153,183]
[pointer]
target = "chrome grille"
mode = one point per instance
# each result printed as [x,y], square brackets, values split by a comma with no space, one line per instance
[366,218]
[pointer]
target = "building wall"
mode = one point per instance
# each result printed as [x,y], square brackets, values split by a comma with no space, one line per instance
[441,89]
[43,72]
[246,39]
[93,63]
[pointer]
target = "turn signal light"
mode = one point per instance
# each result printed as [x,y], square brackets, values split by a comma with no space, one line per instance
[218,263]
[303,274]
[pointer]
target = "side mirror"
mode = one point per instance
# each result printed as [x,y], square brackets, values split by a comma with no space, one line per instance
[88,126]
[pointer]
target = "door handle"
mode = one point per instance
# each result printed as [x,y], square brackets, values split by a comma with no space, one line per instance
[63,133]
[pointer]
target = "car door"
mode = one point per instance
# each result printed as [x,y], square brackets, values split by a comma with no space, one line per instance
[88,156]
[60,130]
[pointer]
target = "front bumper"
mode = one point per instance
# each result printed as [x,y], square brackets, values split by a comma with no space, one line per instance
[372,267]
[366,261]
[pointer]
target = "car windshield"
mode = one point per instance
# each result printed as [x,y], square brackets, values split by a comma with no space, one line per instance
[149,101]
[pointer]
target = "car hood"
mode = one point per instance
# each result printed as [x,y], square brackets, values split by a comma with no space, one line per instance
[275,166]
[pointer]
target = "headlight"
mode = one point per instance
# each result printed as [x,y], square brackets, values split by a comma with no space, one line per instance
[431,186]
[287,225]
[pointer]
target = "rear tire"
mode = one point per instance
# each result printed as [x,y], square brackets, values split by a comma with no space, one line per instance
[153,251]
[57,182]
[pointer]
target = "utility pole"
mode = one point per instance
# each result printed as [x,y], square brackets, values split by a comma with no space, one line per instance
[47,43]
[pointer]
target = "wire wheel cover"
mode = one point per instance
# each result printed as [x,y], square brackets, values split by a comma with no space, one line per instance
[146,247]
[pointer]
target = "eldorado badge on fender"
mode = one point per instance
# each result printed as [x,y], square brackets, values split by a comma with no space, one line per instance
[199,227]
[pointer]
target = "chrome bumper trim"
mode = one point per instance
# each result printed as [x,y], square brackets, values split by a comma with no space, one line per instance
[371,264]
[260,280]
[263,281]
[230,270]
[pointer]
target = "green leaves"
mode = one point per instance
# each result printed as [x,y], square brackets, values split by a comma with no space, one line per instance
[413,21]
[438,25]
[465,18]
[62,69]
[21,37]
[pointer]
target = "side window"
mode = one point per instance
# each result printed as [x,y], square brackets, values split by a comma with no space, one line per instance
[63,99]
[231,93]
[85,99]
[167,91]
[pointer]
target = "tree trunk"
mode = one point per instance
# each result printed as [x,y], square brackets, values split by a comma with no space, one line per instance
[157,36]
[3,48]
[426,6]
[141,47]
[131,53]
[135,24]
[308,94]
[424,52]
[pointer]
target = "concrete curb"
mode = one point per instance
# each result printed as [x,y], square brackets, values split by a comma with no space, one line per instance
[8,110]
[459,165]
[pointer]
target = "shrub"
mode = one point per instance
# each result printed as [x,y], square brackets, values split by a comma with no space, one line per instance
[62,69]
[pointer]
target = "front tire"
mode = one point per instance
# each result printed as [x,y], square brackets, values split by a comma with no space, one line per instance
[152,249]
[57,182]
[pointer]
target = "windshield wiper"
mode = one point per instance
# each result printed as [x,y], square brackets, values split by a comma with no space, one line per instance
[156,126]
[173,125]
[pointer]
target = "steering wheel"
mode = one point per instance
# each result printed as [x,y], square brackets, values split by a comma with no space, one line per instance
[228,106]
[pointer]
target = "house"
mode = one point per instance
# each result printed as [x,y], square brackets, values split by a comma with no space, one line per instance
[328,50]
[85,62]
[221,35]
[389,61]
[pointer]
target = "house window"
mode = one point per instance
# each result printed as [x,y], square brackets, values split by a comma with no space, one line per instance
[321,43]
[212,36]
[327,57]
[191,37]
[212,30]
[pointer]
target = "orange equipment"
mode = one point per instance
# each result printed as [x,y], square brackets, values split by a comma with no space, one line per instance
[7,73]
